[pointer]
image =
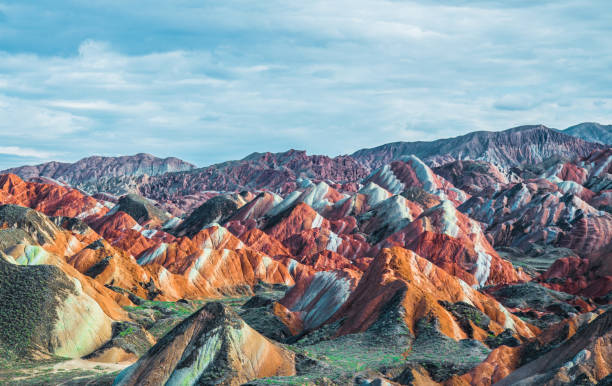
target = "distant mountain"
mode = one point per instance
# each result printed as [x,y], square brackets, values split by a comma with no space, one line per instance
[592,132]
[180,187]
[505,149]
[91,173]
[277,172]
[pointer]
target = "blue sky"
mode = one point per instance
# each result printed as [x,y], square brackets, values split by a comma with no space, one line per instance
[211,81]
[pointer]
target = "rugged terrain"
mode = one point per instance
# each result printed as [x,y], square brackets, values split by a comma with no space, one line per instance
[476,260]
[523,144]
[592,132]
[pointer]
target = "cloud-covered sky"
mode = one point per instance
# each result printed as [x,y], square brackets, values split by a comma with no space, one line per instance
[209,81]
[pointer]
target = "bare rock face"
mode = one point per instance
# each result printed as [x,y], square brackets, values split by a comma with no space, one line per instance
[401,263]
[51,199]
[411,172]
[91,173]
[213,346]
[456,243]
[413,287]
[474,176]
[585,357]
[211,264]
[275,172]
[294,220]
[539,305]
[505,149]
[590,276]
[261,242]
[124,232]
[592,132]
[315,298]
[28,237]
[538,211]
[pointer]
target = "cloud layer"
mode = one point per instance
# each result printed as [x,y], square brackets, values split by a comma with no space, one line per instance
[212,81]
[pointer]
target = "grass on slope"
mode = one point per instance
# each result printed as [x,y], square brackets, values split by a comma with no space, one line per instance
[159,317]
[29,297]
[51,372]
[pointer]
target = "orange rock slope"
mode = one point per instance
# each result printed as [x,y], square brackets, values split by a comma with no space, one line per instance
[50,199]
[396,272]
[422,286]
[586,356]
[456,243]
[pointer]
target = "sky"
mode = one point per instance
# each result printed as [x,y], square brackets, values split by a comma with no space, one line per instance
[209,81]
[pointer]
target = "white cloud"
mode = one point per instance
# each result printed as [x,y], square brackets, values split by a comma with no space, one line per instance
[25,152]
[30,121]
[211,81]
[516,102]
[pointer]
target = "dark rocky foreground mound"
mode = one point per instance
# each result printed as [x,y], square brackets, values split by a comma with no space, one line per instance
[141,209]
[212,211]
[43,312]
[584,359]
[213,346]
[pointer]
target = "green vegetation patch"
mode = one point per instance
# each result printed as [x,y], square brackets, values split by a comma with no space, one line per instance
[442,356]
[48,376]
[29,297]
[354,353]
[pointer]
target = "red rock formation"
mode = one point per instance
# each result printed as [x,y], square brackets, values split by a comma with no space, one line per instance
[387,217]
[211,264]
[260,171]
[603,200]
[50,199]
[498,365]
[599,163]
[123,232]
[504,360]
[214,211]
[472,176]
[590,277]
[48,244]
[143,210]
[344,225]
[588,234]
[565,329]
[264,243]
[256,208]
[327,261]
[420,286]
[537,211]
[571,172]
[321,237]
[294,220]
[456,243]
[399,175]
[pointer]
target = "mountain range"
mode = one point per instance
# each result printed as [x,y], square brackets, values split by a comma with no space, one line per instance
[477,260]
[182,185]
[504,149]
[592,132]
